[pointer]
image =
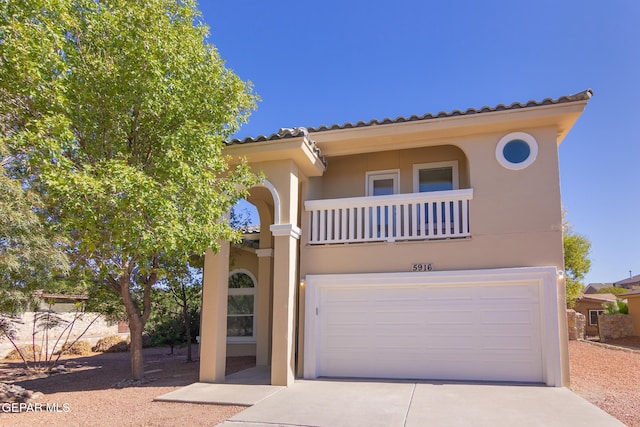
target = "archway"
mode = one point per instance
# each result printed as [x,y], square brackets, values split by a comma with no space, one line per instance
[252,258]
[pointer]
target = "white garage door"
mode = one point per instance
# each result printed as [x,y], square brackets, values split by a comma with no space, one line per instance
[440,331]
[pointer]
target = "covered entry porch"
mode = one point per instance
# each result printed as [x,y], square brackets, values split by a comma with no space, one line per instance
[274,267]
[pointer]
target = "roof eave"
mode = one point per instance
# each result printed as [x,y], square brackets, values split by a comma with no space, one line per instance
[345,141]
[307,157]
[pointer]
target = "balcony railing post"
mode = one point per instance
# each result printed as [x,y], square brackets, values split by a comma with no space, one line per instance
[416,216]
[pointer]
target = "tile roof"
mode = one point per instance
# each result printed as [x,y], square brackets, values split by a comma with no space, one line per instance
[592,288]
[629,281]
[598,297]
[290,133]
[42,294]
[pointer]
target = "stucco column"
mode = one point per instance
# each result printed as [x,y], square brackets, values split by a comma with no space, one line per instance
[284,288]
[263,333]
[213,328]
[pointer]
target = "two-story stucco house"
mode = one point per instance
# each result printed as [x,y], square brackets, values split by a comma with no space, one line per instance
[427,247]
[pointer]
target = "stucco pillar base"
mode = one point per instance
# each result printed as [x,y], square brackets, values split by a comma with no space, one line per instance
[213,333]
[284,289]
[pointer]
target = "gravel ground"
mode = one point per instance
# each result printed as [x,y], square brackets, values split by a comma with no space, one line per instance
[609,378]
[92,400]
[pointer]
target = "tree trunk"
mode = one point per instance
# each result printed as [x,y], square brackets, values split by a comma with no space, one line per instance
[187,329]
[136,326]
[137,363]
[137,318]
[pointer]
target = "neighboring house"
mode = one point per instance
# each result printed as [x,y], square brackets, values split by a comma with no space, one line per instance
[426,247]
[591,305]
[633,301]
[60,303]
[594,288]
[630,283]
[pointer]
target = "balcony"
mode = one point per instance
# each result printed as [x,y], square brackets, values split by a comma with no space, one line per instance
[397,217]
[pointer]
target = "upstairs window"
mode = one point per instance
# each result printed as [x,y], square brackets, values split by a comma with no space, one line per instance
[440,176]
[383,183]
[516,150]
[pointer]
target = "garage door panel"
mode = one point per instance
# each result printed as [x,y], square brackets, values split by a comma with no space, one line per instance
[509,343]
[516,315]
[474,332]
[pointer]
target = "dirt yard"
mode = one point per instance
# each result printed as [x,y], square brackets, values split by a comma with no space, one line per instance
[92,401]
[607,377]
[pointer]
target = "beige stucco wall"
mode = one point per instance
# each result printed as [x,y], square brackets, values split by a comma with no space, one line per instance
[515,221]
[345,175]
[283,175]
[634,310]
[243,258]
[515,216]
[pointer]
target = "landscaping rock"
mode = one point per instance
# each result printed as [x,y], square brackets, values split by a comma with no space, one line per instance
[11,393]
[133,383]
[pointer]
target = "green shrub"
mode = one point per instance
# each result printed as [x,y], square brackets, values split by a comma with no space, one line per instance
[618,307]
[111,344]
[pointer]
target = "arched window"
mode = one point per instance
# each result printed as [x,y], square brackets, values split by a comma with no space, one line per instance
[241,307]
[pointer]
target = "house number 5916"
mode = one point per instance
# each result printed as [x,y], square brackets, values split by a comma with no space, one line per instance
[421,267]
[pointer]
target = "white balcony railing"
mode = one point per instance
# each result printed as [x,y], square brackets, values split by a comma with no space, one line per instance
[415,216]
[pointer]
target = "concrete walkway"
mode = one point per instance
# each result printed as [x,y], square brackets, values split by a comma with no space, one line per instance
[244,388]
[334,403]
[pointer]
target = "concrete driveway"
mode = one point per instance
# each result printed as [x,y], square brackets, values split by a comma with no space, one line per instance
[361,403]
[335,403]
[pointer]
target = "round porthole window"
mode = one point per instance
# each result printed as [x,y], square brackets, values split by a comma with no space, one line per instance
[517,150]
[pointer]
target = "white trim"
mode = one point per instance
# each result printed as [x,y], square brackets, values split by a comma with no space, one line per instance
[276,199]
[453,164]
[268,252]
[372,176]
[285,230]
[433,196]
[530,140]
[599,310]
[544,277]
[244,291]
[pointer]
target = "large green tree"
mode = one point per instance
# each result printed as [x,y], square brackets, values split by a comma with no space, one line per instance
[121,111]
[576,261]
[30,256]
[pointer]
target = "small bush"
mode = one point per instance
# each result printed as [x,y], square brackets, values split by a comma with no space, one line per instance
[618,307]
[111,344]
[27,351]
[79,348]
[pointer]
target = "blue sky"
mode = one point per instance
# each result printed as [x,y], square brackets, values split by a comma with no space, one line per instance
[315,63]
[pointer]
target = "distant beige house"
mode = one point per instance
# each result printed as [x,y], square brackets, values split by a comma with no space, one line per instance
[591,305]
[422,247]
[633,301]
